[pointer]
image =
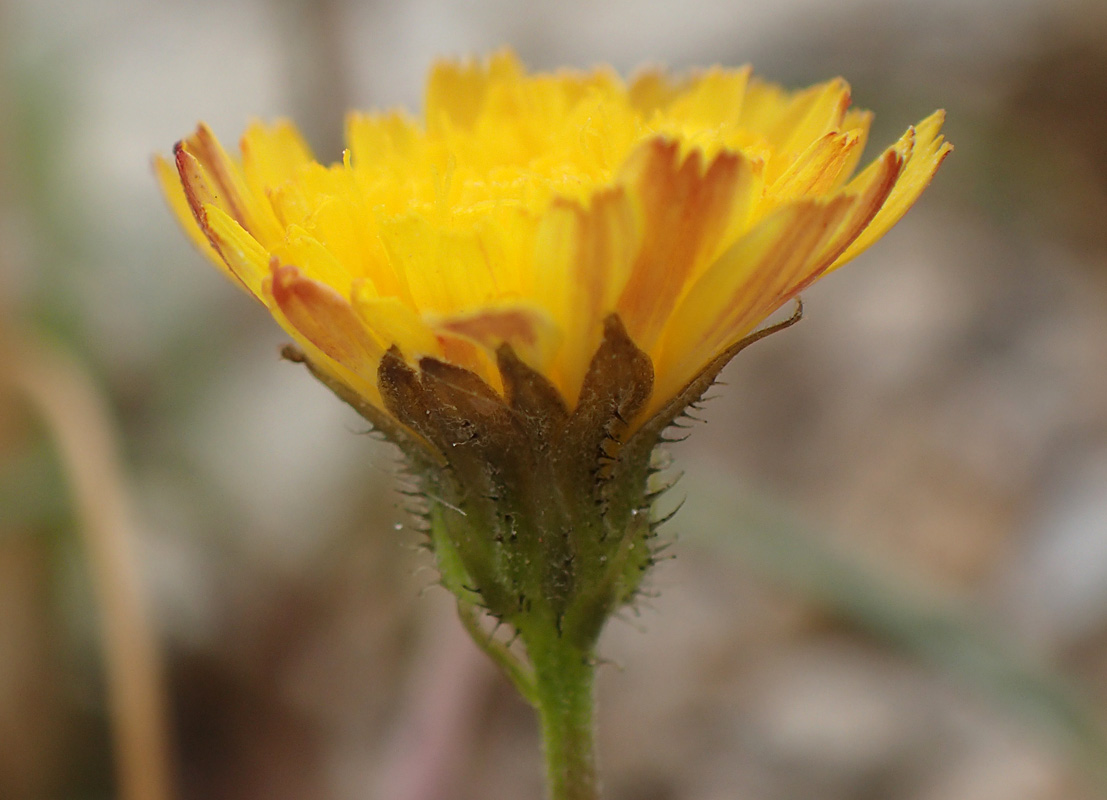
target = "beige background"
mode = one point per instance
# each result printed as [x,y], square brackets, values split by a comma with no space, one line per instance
[939,419]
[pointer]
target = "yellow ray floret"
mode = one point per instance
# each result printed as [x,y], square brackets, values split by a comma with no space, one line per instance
[526,208]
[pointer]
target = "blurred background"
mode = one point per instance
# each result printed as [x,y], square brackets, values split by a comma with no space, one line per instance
[890,578]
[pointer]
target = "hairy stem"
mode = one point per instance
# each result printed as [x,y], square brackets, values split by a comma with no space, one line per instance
[564,678]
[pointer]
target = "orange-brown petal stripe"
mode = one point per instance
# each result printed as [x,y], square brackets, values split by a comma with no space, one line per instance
[531,334]
[743,287]
[217,164]
[325,318]
[820,167]
[685,210]
[254,214]
[787,266]
[170,181]
[583,257]
[865,207]
[927,154]
[199,196]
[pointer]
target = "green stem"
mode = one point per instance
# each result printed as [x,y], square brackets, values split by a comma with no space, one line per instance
[564,700]
[517,672]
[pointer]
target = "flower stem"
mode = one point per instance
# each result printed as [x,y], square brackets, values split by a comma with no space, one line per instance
[564,677]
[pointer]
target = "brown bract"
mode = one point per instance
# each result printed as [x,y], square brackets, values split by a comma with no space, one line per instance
[535,511]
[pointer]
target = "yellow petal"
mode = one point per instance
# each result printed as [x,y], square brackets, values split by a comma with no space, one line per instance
[651,90]
[929,151]
[239,255]
[393,322]
[583,257]
[445,269]
[791,121]
[170,182]
[314,259]
[858,121]
[323,317]
[869,194]
[228,188]
[272,155]
[374,139]
[358,384]
[456,90]
[712,99]
[818,170]
[527,328]
[746,284]
[247,260]
[686,209]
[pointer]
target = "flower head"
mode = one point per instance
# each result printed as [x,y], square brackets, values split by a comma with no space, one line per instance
[524,209]
[527,284]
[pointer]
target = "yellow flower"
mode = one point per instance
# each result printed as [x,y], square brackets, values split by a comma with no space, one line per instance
[526,287]
[526,209]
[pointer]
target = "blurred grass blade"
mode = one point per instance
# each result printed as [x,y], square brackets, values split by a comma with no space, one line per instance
[943,635]
[80,424]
